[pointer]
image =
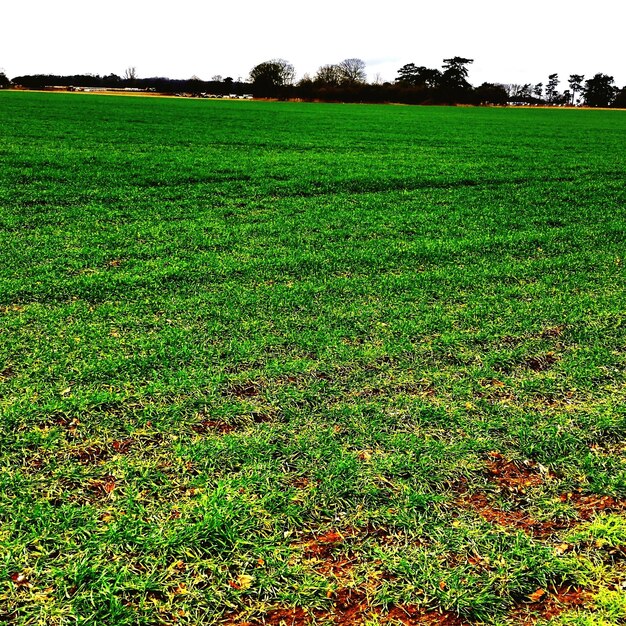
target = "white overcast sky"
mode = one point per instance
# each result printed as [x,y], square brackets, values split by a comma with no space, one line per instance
[511,42]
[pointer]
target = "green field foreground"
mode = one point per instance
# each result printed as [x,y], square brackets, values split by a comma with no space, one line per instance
[304,363]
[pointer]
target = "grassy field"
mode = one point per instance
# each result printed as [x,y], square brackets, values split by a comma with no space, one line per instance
[310,363]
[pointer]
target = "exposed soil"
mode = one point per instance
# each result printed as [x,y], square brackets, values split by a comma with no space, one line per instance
[330,556]
[215,426]
[552,332]
[259,417]
[103,487]
[302,482]
[509,519]
[351,608]
[244,390]
[546,605]
[122,446]
[515,477]
[322,546]
[540,362]
[90,454]
[588,506]
[93,454]
[6,373]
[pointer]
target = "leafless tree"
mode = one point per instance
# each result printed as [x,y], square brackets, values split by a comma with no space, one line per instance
[516,91]
[130,73]
[328,75]
[352,71]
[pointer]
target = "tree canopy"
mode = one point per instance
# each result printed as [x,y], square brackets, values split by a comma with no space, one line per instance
[269,77]
[599,91]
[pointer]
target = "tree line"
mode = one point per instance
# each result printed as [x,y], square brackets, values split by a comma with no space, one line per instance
[346,81]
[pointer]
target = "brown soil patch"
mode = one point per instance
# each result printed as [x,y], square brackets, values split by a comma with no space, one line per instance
[410,615]
[513,480]
[322,546]
[122,446]
[6,373]
[215,426]
[259,417]
[90,454]
[588,506]
[510,519]
[300,483]
[540,362]
[514,477]
[321,375]
[95,453]
[546,605]
[351,608]
[244,390]
[103,487]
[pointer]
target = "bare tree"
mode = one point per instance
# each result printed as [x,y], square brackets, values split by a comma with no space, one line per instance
[328,75]
[130,73]
[352,71]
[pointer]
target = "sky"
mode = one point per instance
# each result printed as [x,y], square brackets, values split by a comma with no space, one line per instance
[510,42]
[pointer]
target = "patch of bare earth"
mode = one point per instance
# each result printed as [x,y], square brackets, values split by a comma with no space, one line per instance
[589,505]
[351,608]
[547,604]
[212,426]
[513,480]
[541,362]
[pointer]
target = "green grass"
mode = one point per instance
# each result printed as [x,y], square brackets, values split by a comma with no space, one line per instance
[228,328]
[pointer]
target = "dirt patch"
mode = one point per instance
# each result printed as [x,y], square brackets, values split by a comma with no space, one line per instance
[7,373]
[408,389]
[588,506]
[410,615]
[300,483]
[212,426]
[122,446]
[103,487]
[351,608]
[510,519]
[540,362]
[281,617]
[244,390]
[321,375]
[322,546]
[90,454]
[259,417]
[96,453]
[515,477]
[546,605]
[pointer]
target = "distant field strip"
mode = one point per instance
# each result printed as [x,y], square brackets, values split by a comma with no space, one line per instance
[306,363]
